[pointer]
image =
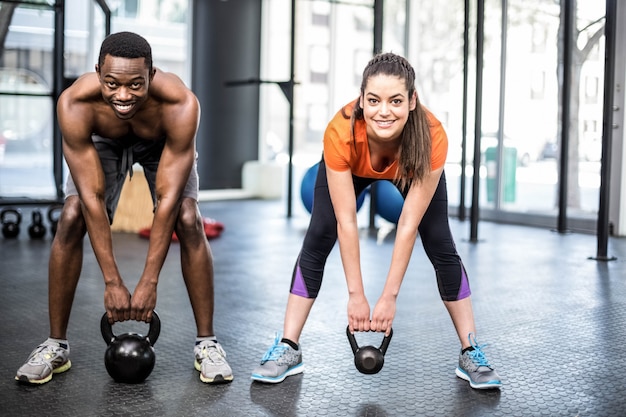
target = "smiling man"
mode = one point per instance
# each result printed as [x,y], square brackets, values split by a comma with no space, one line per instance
[128,112]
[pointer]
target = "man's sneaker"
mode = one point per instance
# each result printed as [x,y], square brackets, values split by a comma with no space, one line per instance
[48,358]
[475,368]
[279,362]
[211,362]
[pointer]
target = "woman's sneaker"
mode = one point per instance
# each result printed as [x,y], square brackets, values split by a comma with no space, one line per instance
[475,368]
[279,362]
[48,358]
[211,362]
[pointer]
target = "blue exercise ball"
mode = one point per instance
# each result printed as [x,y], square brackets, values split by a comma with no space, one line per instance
[308,185]
[389,201]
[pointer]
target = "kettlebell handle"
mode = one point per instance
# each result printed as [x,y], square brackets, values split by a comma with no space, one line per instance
[36,217]
[355,347]
[54,212]
[7,212]
[153,333]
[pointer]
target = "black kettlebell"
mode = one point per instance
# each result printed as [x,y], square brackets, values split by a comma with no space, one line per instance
[54,214]
[369,359]
[11,219]
[129,357]
[36,230]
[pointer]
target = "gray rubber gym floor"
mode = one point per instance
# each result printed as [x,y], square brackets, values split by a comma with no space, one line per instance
[554,322]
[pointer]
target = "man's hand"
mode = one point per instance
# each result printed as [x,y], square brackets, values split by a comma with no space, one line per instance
[143,301]
[358,313]
[117,302]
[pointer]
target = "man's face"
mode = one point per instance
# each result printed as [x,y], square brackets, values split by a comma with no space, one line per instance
[124,83]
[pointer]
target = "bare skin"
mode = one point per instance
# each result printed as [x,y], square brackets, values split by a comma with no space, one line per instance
[386,105]
[121,98]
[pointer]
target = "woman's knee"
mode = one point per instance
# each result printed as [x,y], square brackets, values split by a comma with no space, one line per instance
[321,234]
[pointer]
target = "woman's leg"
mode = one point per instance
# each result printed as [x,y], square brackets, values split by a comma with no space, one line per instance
[308,271]
[451,275]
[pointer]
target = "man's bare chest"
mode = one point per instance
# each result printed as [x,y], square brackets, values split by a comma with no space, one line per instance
[115,129]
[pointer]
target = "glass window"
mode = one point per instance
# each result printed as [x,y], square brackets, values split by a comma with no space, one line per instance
[532,125]
[520,126]
[26,104]
[435,49]
[26,75]
[165,24]
[586,109]
[334,43]
[527,166]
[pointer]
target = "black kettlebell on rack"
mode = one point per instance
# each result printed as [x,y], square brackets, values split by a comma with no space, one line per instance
[54,214]
[369,359]
[11,219]
[130,357]
[36,230]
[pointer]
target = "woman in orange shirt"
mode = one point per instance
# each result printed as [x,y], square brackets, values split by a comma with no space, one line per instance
[386,134]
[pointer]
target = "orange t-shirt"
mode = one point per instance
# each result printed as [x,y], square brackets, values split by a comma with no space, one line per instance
[339,152]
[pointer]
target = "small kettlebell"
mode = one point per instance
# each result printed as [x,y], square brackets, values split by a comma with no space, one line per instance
[369,359]
[36,230]
[11,219]
[54,214]
[130,357]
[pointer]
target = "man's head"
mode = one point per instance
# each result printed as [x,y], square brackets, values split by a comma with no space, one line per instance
[125,72]
[126,45]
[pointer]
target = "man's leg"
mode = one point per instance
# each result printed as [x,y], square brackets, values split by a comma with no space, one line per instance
[197,268]
[197,265]
[64,267]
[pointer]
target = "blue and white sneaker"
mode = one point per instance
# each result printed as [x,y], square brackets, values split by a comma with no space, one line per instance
[475,368]
[279,362]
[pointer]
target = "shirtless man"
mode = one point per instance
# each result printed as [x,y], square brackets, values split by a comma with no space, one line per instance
[126,112]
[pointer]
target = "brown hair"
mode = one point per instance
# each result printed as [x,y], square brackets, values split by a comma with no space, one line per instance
[415,145]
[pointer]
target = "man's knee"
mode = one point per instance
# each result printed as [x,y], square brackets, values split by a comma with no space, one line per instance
[189,218]
[71,221]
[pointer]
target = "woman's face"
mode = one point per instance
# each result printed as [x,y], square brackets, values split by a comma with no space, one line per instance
[386,105]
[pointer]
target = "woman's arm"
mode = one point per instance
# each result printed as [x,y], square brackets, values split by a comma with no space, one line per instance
[342,195]
[417,201]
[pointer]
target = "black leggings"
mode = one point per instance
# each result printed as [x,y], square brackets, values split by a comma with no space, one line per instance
[434,231]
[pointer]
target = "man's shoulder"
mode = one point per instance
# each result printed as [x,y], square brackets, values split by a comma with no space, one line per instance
[85,89]
[169,87]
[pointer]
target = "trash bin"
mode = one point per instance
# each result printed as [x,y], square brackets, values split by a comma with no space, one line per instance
[509,170]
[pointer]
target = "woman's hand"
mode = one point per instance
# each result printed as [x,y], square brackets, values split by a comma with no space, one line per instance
[358,313]
[384,313]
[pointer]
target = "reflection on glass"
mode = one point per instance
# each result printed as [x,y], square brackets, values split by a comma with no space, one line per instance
[26,104]
[435,48]
[531,116]
[521,93]
[334,43]
[586,109]
[26,67]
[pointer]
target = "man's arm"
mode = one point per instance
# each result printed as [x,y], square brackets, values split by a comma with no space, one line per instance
[75,121]
[181,121]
